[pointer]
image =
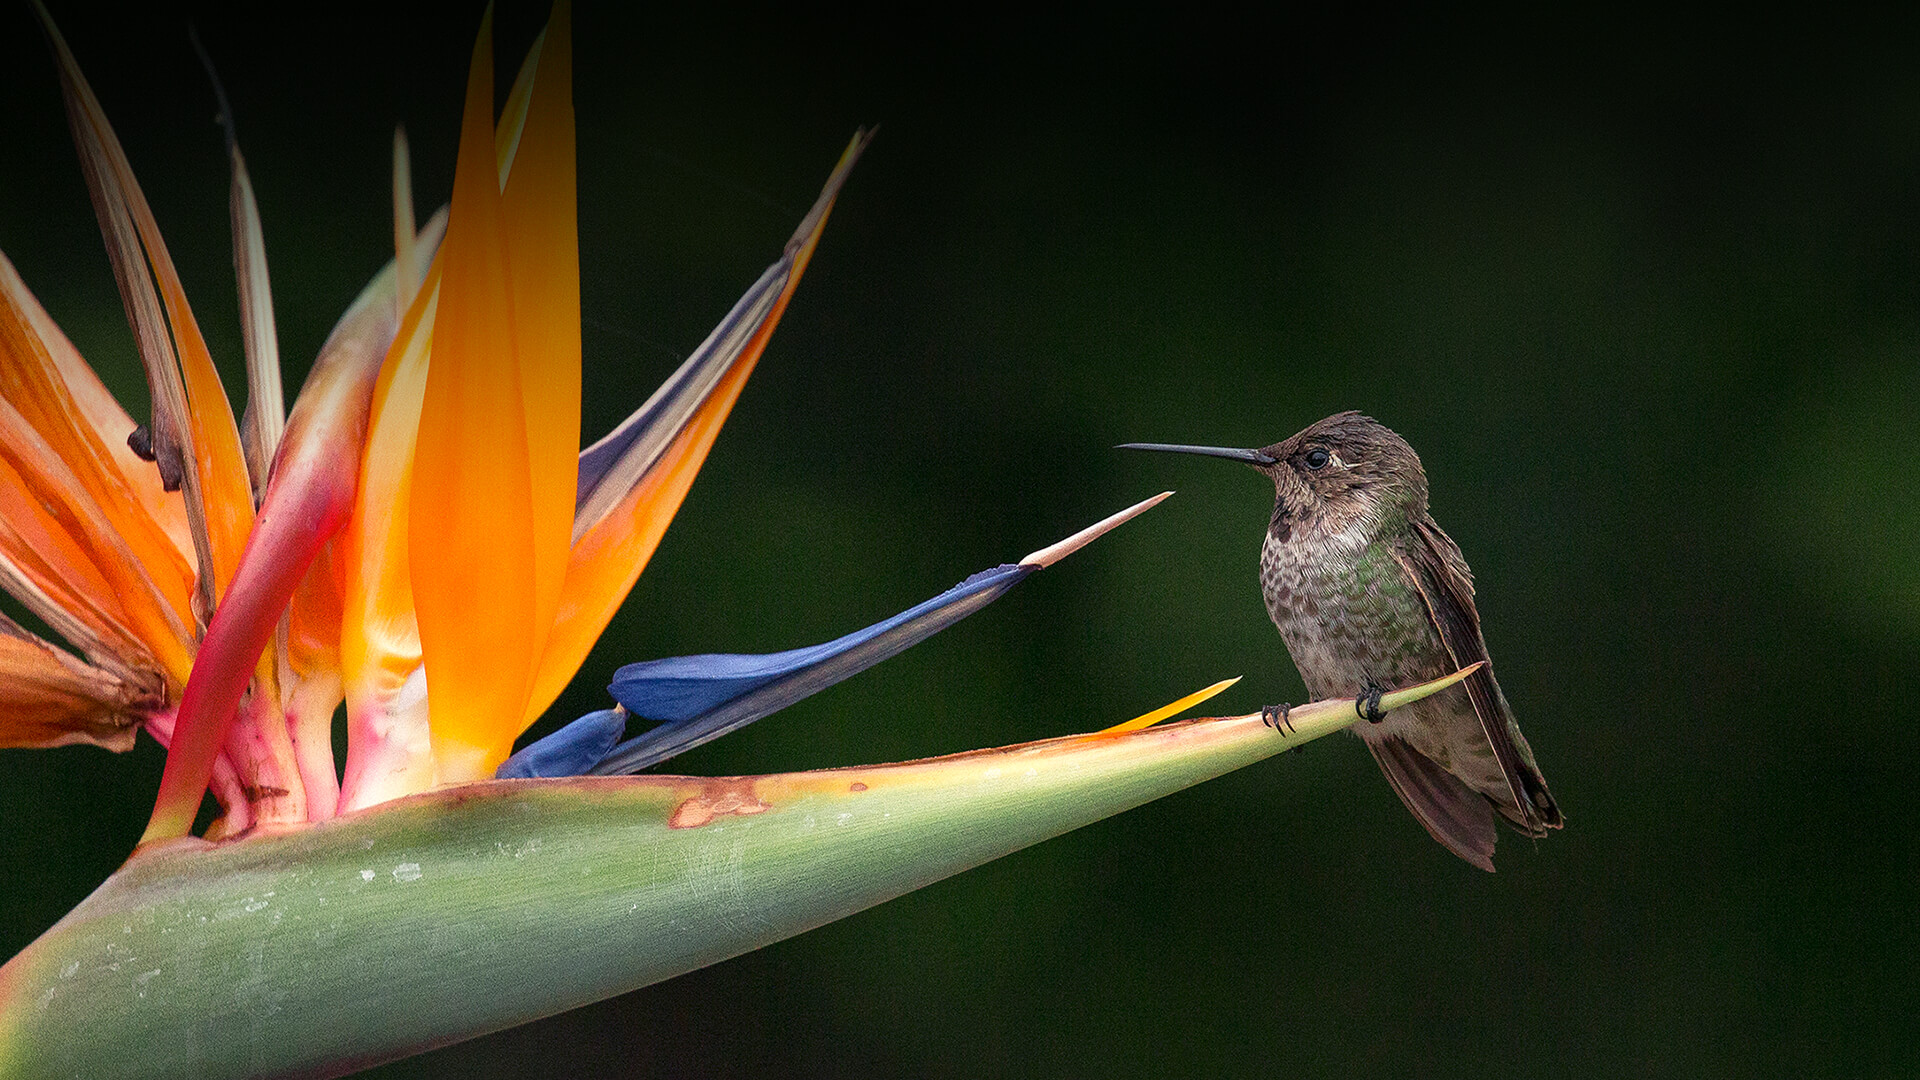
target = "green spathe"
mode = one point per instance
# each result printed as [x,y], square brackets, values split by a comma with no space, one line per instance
[462,911]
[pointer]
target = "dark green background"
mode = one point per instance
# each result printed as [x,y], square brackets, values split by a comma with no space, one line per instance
[1645,294]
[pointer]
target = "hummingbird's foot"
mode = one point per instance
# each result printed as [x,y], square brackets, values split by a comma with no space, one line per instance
[1275,717]
[1368,704]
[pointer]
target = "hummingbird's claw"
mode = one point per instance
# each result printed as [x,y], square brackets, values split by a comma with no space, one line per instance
[1275,717]
[1368,705]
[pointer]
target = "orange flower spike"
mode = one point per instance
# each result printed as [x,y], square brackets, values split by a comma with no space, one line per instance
[93,405]
[608,559]
[63,402]
[306,502]
[612,546]
[66,550]
[319,626]
[539,212]
[474,535]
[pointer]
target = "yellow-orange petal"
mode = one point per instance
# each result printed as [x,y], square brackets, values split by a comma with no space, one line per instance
[1147,720]
[477,528]
[70,552]
[538,210]
[60,398]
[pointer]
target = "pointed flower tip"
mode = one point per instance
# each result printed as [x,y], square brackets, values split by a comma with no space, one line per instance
[699,698]
[856,146]
[1053,553]
[1147,720]
[1412,694]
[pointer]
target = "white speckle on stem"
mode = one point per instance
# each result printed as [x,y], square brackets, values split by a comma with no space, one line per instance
[407,871]
[140,981]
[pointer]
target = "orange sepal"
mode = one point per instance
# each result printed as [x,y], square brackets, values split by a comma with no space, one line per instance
[380,637]
[57,536]
[43,376]
[608,559]
[470,529]
[540,216]
[613,544]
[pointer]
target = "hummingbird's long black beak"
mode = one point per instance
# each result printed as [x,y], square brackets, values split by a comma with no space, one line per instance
[1251,457]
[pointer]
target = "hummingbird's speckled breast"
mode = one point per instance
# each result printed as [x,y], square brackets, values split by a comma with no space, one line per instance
[1351,618]
[1348,614]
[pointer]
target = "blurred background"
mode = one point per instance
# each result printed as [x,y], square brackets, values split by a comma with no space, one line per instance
[1644,295]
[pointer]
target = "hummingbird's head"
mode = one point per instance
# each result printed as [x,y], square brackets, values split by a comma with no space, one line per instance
[1348,475]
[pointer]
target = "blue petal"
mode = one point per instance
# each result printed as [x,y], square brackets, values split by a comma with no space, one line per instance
[699,698]
[570,751]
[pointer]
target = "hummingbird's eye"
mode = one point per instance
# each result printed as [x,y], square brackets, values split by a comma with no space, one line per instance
[1317,458]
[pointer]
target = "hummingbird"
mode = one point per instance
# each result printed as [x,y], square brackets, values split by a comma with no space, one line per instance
[1370,595]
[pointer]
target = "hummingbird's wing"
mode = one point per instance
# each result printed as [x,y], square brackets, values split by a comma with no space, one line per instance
[1455,814]
[1438,570]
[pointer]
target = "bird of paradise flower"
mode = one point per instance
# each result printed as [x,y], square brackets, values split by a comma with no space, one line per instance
[422,539]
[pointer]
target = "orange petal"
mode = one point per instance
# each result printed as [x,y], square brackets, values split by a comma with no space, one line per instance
[57,536]
[658,451]
[475,528]
[609,558]
[542,234]
[60,398]
[94,406]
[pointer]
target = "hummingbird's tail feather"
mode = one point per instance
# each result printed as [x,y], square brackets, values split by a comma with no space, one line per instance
[1540,813]
[1455,814]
